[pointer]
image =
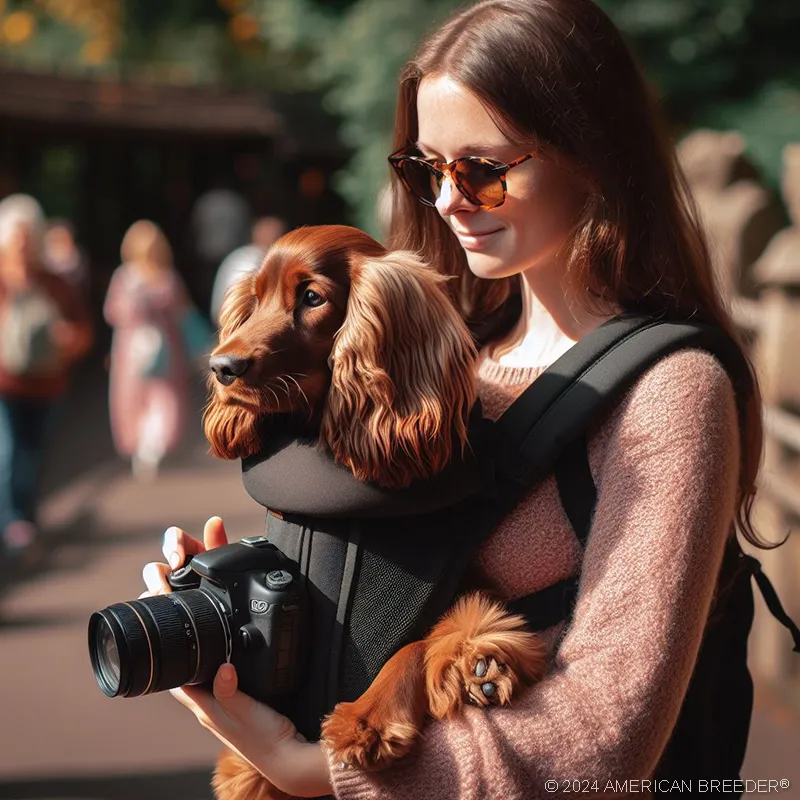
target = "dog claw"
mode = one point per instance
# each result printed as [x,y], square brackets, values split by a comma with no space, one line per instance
[480,668]
[488,688]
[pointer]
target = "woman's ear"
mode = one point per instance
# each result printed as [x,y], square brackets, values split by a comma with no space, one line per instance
[403,374]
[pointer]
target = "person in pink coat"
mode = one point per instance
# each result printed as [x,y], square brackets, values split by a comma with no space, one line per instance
[149,368]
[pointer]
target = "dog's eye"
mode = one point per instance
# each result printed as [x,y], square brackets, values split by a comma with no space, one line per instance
[312,299]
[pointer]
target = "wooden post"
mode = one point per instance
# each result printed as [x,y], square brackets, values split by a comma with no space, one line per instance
[777,362]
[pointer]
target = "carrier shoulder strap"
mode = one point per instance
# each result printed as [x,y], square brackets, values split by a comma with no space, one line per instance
[576,487]
[589,379]
[545,430]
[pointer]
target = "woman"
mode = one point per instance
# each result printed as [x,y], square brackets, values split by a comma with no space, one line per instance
[44,330]
[593,220]
[149,368]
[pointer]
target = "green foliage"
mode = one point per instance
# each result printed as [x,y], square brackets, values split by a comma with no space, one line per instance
[725,64]
[357,56]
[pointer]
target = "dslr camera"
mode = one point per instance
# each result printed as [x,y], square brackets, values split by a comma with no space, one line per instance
[242,603]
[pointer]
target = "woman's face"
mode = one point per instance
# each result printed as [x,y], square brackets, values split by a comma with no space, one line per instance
[542,201]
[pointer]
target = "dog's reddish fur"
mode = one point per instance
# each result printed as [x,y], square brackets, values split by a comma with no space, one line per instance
[383,371]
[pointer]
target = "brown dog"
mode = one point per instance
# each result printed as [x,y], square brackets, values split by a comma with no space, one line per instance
[365,348]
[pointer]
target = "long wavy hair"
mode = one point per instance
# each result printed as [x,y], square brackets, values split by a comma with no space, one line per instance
[558,74]
[388,379]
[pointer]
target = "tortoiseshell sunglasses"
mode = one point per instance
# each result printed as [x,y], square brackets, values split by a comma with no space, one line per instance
[481,180]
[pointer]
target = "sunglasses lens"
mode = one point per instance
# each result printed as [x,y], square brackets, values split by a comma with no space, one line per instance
[421,180]
[479,182]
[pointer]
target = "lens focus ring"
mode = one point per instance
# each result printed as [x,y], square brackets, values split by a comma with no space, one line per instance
[160,642]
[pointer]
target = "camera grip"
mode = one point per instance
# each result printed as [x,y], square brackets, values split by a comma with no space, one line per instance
[184,577]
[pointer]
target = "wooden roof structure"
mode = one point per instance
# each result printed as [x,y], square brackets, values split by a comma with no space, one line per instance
[100,103]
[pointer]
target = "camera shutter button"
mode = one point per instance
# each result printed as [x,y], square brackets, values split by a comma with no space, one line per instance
[278,579]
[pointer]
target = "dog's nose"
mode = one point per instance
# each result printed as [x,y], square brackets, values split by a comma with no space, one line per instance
[229,368]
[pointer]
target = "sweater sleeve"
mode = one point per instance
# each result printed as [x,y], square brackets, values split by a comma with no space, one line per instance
[666,484]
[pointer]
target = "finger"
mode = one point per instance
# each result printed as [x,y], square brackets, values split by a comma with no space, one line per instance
[214,534]
[178,544]
[155,578]
[225,682]
[198,701]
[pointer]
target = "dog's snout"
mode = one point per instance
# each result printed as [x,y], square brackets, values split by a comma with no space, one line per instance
[229,368]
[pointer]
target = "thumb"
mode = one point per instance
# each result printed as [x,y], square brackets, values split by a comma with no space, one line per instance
[226,683]
[214,534]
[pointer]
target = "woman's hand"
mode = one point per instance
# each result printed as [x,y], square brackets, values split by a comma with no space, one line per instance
[257,733]
[176,546]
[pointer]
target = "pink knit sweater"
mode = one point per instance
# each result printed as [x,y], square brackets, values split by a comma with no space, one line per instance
[665,462]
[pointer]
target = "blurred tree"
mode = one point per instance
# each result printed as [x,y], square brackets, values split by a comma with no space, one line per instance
[194,41]
[722,64]
[355,51]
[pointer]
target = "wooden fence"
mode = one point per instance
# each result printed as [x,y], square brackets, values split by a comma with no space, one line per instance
[755,239]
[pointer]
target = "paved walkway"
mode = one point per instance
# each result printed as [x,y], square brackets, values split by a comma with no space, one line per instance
[62,739]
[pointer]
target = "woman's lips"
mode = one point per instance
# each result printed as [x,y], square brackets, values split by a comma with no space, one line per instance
[475,241]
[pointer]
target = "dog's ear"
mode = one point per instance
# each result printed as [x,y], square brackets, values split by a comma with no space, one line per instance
[232,431]
[237,305]
[403,374]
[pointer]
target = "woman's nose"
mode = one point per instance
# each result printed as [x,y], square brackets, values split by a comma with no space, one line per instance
[450,198]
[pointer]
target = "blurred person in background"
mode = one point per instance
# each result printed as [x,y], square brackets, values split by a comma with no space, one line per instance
[243,259]
[44,330]
[150,366]
[63,257]
[221,220]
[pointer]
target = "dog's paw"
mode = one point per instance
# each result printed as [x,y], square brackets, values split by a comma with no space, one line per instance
[480,654]
[486,681]
[364,740]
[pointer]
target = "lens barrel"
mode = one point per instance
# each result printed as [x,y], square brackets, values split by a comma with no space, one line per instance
[157,643]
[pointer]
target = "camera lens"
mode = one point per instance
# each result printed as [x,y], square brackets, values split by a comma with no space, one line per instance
[157,643]
[107,654]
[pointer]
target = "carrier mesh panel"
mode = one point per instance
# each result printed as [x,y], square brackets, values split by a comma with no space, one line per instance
[399,593]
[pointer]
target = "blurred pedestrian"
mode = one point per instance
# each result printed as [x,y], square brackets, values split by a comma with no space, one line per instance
[221,219]
[63,256]
[44,330]
[150,366]
[244,259]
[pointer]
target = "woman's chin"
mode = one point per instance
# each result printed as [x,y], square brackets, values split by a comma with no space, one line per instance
[489,266]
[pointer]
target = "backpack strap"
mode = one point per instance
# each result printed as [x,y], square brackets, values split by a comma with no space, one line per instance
[589,379]
[546,428]
[576,487]
[772,600]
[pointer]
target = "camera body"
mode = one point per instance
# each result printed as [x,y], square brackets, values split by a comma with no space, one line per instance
[265,607]
[243,602]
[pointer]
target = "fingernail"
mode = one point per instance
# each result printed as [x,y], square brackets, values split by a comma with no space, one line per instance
[174,560]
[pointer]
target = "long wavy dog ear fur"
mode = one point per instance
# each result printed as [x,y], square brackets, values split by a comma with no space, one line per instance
[403,374]
[232,431]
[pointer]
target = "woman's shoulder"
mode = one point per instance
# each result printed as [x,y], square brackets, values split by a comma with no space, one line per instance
[685,376]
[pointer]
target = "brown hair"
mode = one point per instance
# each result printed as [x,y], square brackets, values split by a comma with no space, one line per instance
[558,74]
[144,243]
